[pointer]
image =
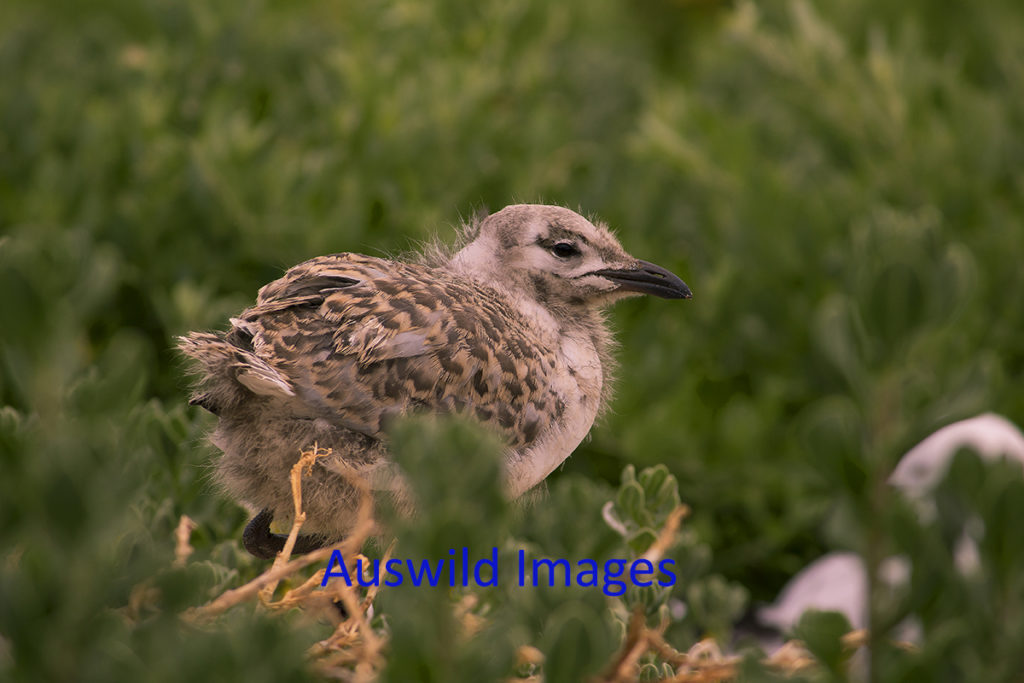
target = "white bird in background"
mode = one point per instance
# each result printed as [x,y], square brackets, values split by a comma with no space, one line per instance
[838,581]
[989,435]
[507,329]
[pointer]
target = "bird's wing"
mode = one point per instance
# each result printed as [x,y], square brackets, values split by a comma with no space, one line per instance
[361,339]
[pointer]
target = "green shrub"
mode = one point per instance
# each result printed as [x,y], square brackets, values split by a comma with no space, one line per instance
[840,182]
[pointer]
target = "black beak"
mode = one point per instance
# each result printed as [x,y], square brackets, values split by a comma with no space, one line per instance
[648,278]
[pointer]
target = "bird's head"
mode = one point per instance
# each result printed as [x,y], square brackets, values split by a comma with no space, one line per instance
[561,258]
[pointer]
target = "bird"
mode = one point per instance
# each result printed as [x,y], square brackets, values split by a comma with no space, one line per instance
[506,327]
[838,581]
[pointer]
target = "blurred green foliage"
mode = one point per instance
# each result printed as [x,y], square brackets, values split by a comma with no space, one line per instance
[841,183]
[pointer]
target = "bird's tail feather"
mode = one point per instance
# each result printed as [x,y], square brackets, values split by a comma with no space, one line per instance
[220,359]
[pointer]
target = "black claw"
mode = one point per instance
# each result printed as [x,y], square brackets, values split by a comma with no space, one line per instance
[307,544]
[264,544]
[258,539]
[342,610]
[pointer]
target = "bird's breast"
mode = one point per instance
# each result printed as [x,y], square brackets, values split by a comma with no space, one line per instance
[577,381]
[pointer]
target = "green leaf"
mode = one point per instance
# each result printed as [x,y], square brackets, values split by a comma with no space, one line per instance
[822,633]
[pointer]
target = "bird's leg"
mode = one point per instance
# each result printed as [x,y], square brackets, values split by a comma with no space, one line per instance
[258,539]
[261,542]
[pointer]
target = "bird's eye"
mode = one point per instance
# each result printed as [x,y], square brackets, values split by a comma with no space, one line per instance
[565,250]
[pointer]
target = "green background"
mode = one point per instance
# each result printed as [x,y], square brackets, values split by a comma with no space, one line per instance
[840,183]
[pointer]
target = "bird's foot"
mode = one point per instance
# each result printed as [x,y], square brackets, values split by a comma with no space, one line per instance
[261,542]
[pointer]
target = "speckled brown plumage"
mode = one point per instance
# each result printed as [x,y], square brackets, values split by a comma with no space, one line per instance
[507,330]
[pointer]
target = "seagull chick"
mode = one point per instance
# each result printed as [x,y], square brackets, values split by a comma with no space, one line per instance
[508,330]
